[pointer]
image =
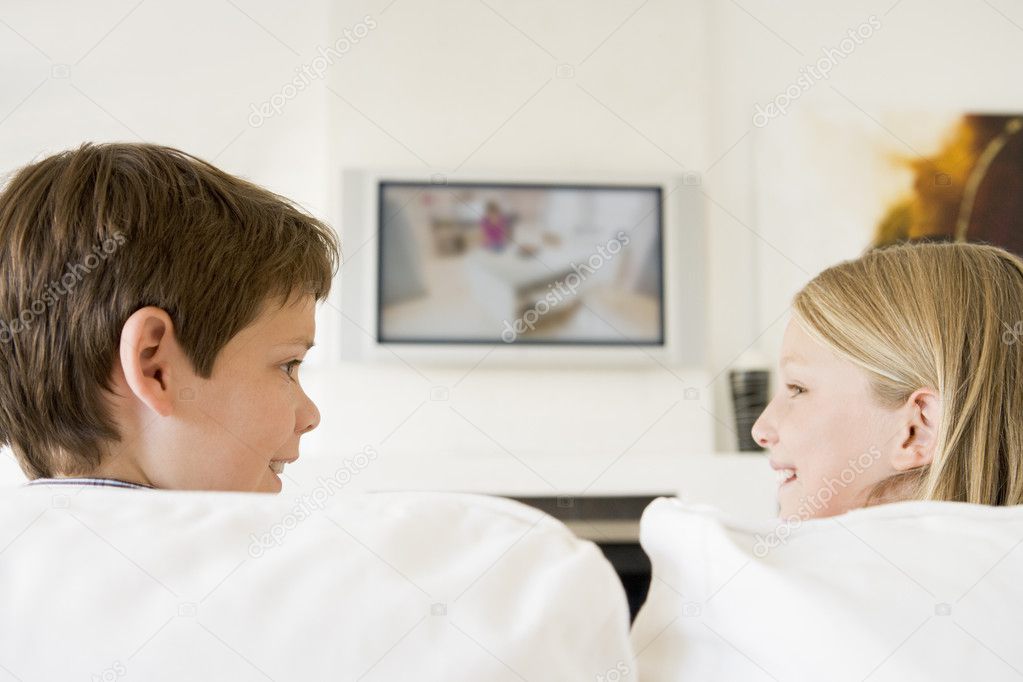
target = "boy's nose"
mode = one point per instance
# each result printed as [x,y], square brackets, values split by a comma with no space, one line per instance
[309,417]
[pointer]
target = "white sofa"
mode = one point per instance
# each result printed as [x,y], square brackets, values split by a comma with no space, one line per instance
[104,583]
[916,591]
[99,583]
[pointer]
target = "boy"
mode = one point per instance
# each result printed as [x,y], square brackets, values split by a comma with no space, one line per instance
[153,313]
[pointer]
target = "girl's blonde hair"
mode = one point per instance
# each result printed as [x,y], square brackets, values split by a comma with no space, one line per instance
[945,316]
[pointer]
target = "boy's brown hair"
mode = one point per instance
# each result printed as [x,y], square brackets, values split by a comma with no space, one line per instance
[87,237]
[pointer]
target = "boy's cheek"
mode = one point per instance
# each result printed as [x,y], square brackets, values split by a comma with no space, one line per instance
[241,471]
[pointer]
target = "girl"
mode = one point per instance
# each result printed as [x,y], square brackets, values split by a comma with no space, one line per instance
[901,379]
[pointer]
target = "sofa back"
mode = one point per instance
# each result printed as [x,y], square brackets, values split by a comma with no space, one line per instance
[99,583]
[901,592]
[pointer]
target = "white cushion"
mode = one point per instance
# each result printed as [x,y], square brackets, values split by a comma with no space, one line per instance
[103,583]
[902,592]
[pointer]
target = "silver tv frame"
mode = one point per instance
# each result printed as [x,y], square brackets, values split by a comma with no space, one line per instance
[683,300]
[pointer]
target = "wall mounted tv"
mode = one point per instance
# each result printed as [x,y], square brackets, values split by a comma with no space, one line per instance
[520,264]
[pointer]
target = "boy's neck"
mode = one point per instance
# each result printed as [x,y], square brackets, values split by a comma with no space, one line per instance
[120,469]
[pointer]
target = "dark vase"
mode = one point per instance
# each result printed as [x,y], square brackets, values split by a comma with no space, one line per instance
[749,397]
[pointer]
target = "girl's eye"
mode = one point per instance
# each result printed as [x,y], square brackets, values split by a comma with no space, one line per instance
[794,387]
[291,367]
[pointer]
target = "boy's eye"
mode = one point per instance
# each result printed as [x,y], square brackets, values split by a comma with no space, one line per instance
[291,367]
[795,387]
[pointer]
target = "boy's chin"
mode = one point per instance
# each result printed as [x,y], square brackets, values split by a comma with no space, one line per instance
[271,483]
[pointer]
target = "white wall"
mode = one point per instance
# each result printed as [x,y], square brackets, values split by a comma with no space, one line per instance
[660,86]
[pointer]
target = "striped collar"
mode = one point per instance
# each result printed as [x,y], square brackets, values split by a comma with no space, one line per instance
[99,482]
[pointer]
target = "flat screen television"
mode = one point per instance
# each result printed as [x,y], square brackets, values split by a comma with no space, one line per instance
[546,269]
[520,263]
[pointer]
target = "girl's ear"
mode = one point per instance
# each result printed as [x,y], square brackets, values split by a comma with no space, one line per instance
[920,430]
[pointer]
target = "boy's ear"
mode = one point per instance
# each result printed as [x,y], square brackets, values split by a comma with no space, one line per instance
[919,439]
[148,345]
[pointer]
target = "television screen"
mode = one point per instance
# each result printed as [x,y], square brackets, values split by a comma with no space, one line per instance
[520,264]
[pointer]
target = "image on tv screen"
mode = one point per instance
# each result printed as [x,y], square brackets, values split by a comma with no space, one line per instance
[520,264]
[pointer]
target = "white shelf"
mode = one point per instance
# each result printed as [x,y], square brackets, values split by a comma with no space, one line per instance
[740,483]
